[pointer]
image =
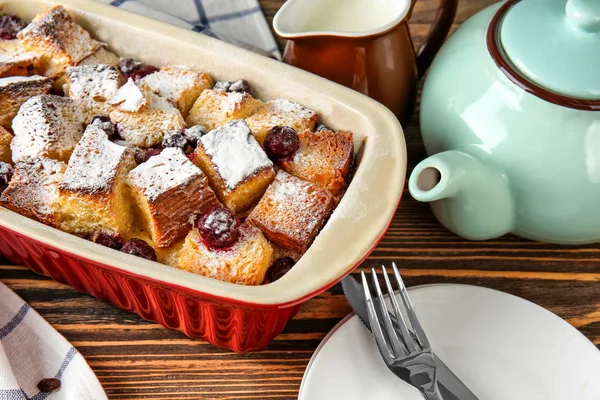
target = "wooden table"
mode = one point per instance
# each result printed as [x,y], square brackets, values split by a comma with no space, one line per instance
[137,359]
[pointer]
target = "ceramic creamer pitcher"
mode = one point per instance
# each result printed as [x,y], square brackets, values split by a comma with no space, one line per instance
[510,112]
[362,44]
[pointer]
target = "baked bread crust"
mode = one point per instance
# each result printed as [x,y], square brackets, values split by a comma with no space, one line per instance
[5,139]
[149,121]
[91,86]
[58,39]
[292,212]
[33,190]
[244,263]
[14,91]
[237,167]
[213,108]
[179,84]
[47,125]
[169,192]
[93,194]
[16,61]
[281,112]
[323,158]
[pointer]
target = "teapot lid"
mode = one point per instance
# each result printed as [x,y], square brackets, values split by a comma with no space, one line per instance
[555,44]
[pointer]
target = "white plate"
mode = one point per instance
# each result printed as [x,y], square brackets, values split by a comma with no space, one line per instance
[501,346]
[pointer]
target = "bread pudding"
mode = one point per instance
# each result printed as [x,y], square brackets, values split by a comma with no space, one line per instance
[167,164]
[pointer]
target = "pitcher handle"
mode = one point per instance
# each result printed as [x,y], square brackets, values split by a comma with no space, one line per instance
[437,34]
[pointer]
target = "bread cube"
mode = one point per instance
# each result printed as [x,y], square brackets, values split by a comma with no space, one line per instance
[170,191]
[237,167]
[281,113]
[16,61]
[91,86]
[5,139]
[33,189]
[142,117]
[16,90]
[101,56]
[60,41]
[213,108]
[292,212]
[94,195]
[244,263]
[323,158]
[47,125]
[179,84]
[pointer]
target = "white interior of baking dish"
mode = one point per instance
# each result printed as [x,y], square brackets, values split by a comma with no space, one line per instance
[355,226]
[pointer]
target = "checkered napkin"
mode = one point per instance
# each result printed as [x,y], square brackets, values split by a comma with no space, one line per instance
[240,22]
[32,351]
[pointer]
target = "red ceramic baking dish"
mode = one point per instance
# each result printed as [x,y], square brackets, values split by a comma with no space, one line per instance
[240,318]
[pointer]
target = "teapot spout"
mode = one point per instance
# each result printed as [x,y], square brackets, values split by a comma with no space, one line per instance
[468,196]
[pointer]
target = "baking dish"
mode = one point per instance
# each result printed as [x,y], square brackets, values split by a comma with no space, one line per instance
[240,318]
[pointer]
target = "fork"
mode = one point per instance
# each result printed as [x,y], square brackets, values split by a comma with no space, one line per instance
[405,349]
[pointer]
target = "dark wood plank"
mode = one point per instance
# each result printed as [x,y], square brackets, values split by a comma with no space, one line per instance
[136,359]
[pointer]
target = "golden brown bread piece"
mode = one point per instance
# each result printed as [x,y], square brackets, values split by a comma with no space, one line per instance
[244,263]
[91,86]
[58,39]
[213,108]
[169,192]
[46,125]
[33,190]
[281,113]
[14,91]
[179,84]
[94,195]
[292,212]
[100,56]
[16,61]
[323,158]
[237,167]
[143,118]
[5,139]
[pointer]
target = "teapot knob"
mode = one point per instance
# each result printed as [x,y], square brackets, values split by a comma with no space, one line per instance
[584,14]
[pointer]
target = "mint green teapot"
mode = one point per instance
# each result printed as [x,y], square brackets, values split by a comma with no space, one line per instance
[510,114]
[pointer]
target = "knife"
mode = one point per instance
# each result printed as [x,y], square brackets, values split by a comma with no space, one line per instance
[451,387]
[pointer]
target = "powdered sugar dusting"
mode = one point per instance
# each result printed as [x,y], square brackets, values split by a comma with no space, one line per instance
[95,162]
[171,83]
[34,187]
[167,170]
[129,97]
[235,153]
[93,83]
[231,100]
[46,124]
[282,106]
[13,79]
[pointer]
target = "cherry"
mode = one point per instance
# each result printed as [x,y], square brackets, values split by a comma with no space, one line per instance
[240,86]
[104,122]
[139,248]
[281,142]
[280,267]
[175,139]
[6,173]
[218,227]
[143,155]
[135,69]
[194,134]
[10,25]
[110,240]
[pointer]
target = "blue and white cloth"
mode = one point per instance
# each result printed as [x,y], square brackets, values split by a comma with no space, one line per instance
[31,350]
[240,22]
